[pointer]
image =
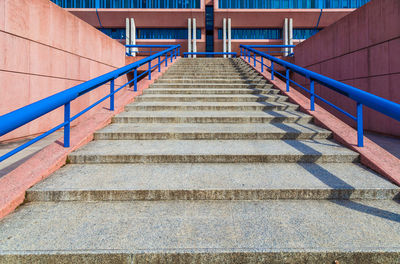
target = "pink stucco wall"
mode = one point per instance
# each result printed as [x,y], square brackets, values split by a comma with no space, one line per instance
[44,50]
[362,50]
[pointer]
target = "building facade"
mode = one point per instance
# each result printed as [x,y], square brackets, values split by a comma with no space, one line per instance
[252,21]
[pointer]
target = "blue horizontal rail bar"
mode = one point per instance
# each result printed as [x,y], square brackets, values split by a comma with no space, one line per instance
[185,54]
[384,106]
[26,114]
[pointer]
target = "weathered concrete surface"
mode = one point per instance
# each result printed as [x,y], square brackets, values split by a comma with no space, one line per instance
[212,131]
[291,231]
[123,182]
[211,117]
[158,186]
[161,151]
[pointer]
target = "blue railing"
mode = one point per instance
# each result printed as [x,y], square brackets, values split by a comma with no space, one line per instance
[361,98]
[128,3]
[277,4]
[185,54]
[26,114]
[152,49]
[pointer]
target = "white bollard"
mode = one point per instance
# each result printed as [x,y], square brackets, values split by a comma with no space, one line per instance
[224,35]
[229,37]
[290,35]
[189,36]
[133,36]
[127,35]
[194,37]
[285,37]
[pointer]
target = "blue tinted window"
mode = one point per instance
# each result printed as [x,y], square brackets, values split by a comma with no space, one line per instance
[254,33]
[151,33]
[304,33]
[274,4]
[128,3]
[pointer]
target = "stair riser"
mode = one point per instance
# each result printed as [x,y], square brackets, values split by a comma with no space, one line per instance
[210,99]
[208,136]
[209,108]
[230,120]
[169,195]
[236,256]
[97,159]
[209,91]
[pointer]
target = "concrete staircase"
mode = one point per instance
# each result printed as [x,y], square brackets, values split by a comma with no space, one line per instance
[209,165]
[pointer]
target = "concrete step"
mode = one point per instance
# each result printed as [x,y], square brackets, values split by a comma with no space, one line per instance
[210,181]
[212,151]
[210,106]
[210,98]
[211,85]
[212,117]
[216,131]
[254,80]
[210,91]
[274,231]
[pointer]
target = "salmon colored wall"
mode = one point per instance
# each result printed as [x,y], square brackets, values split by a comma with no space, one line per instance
[45,50]
[362,50]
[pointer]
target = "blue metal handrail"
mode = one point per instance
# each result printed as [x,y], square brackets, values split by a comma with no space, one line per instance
[377,103]
[185,54]
[26,114]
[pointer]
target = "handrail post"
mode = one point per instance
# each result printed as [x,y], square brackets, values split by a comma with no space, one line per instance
[175,51]
[159,63]
[172,55]
[67,126]
[249,55]
[112,95]
[312,96]
[287,80]
[179,51]
[255,60]
[149,70]
[166,59]
[135,80]
[240,52]
[360,129]
[272,70]
[262,64]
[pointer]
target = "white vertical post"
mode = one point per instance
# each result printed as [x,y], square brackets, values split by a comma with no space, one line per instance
[224,35]
[229,37]
[290,35]
[133,36]
[189,36]
[285,37]
[127,35]
[194,37]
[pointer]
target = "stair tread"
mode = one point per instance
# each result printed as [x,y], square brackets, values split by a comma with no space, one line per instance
[318,147]
[270,113]
[202,226]
[212,128]
[303,177]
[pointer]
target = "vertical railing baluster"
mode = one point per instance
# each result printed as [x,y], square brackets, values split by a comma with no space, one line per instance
[272,70]
[360,129]
[159,63]
[249,55]
[287,80]
[166,59]
[67,126]
[262,64]
[312,96]
[135,80]
[175,51]
[255,60]
[172,55]
[112,95]
[149,70]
